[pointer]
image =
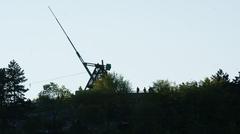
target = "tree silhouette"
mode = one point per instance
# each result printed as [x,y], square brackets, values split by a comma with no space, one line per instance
[163,86]
[236,80]
[14,88]
[112,83]
[3,81]
[53,91]
[220,77]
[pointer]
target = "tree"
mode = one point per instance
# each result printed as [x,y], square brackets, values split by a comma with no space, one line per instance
[53,91]
[3,81]
[79,91]
[236,80]
[189,85]
[163,86]
[205,83]
[220,78]
[112,83]
[14,88]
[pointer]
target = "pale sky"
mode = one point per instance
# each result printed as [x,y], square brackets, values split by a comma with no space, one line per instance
[144,40]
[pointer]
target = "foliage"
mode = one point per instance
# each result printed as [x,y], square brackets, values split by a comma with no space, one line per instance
[210,106]
[236,80]
[3,81]
[11,88]
[53,91]
[12,97]
[220,77]
[112,83]
[15,89]
[163,86]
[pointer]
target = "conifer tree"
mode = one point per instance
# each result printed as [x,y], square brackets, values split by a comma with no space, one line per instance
[14,88]
[3,82]
[237,79]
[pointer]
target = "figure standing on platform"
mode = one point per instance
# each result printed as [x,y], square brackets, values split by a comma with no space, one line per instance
[144,90]
[137,89]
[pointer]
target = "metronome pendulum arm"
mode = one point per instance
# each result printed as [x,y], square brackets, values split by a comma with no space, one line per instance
[100,69]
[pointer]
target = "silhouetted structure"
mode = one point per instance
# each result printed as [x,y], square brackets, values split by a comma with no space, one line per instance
[99,69]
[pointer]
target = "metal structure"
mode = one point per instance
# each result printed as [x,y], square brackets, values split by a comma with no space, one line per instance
[99,69]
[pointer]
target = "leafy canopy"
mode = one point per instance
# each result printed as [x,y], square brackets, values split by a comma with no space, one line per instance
[53,91]
[112,83]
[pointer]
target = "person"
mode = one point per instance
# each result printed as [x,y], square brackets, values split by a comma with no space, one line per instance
[137,89]
[144,90]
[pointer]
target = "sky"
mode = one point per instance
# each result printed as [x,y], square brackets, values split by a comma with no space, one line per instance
[144,40]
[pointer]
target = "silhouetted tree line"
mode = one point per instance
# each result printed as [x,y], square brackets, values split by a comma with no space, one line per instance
[210,106]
